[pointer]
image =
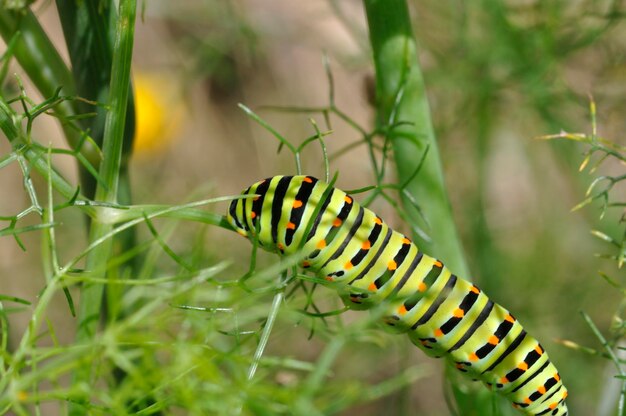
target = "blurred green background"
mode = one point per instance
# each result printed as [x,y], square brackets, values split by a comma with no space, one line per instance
[498,75]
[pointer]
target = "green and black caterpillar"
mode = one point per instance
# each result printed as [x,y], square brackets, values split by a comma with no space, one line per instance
[370,264]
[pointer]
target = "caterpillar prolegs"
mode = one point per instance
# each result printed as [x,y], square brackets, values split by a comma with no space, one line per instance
[369,263]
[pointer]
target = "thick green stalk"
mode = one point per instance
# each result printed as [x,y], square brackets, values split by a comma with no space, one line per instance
[404,115]
[107,189]
[112,149]
[89,38]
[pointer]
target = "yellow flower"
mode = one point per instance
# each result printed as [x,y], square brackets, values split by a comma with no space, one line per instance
[158,113]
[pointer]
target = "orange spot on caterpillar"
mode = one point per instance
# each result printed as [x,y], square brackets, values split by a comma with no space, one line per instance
[337,222]
[473,357]
[373,287]
[542,390]
[538,349]
[307,179]
[523,366]
[306,264]
[402,310]
[366,245]
[504,380]
[321,244]
[509,318]
[527,400]
[330,278]
[348,265]
[552,405]
[474,289]
[253,215]
[297,203]
[256,198]
[291,226]
[347,199]
[458,313]
[378,220]
[422,287]
[493,340]
[406,241]
[557,377]
[392,265]
[564,395]
[437,263]
[280,246]
[438,332]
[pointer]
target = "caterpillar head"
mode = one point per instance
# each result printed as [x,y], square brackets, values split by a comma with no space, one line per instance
[236,219]
[242,213]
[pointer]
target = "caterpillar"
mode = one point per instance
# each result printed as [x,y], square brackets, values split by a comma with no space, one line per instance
[358,254]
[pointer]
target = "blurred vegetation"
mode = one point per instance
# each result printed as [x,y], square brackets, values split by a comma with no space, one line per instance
[190,321]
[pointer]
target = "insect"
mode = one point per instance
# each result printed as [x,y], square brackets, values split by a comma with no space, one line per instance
[369,264]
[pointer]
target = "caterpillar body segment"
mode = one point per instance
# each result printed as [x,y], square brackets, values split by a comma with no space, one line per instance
[370,264]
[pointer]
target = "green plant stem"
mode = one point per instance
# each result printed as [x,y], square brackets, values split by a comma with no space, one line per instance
[88,34]
[401,98]
[36,157]
[34,51]
[46,69]
[621,407]
[403,115]
[107,190]
[265,335]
